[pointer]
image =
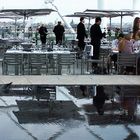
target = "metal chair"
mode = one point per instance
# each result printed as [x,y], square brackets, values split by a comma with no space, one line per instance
[14,60]
[88,60]
[52,63]
[126,60]
[66,60]
[38,62]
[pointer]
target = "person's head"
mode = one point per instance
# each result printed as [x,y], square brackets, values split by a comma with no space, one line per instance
[120,36]
[82,19]
[42,25]
[98,20]
[59,22]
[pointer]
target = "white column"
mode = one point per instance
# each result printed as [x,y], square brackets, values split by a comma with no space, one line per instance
[100,4]
[136,5]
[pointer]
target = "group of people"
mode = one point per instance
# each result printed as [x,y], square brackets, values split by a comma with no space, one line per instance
[127,43]
[95,35]
[58,31]
[124,43]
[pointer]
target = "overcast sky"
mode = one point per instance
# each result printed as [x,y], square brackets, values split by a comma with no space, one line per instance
[66,6]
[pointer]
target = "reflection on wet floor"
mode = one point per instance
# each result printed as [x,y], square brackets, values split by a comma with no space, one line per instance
[44,111]
[36,112]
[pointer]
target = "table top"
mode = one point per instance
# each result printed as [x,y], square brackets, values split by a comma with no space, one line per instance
[72,80]
[11,51]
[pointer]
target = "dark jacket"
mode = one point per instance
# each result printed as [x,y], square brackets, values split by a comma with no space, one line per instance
[81,31]
[95,33]
[43,31]
[58,30]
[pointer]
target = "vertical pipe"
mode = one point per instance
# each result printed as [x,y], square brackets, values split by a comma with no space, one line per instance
[100,4]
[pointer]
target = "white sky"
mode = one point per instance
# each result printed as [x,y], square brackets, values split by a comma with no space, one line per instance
[66,6]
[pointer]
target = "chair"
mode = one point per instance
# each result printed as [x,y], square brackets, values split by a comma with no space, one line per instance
[37,62]
[87,59]
[14,60]
[126,60]
[52,63]
[66,60]
[88,51]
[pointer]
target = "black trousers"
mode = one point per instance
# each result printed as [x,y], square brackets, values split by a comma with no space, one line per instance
[43,39]
[96,51]
[81,44]
[59,39]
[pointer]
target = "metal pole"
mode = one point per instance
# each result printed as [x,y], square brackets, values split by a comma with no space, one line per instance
[67,25]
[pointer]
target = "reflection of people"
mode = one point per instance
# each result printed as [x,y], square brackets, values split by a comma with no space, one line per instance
[96,36]
[129,104]
[99,99]
[43,33]
[59,32]
[83,89]
[81,34]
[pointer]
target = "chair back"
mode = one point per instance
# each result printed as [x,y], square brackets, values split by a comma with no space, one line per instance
[88,51]
[126,60]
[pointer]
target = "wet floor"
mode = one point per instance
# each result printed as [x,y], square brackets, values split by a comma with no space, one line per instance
[70,116]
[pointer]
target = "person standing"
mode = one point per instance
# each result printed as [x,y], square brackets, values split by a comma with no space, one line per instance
[96,36]
[43,34]
[59,32]
[81,34]
[30,32]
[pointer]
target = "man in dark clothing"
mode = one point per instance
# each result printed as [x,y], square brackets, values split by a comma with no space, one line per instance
[81,34]
[43,33]
[96,36]
[59,32]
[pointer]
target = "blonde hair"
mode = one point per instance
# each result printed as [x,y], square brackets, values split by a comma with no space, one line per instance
[123,41]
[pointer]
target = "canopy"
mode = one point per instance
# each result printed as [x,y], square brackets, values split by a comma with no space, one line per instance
[10,15]
[89,16]
[86,15]
[114,13]
[29,12]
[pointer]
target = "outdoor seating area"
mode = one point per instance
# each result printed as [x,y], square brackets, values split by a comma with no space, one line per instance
[27,59]
[69,75]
